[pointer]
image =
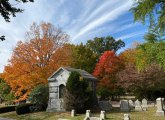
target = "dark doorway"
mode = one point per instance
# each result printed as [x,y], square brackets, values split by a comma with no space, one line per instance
[61,91]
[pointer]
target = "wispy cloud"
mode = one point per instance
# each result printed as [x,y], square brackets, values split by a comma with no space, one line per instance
[131,35]
[112,15]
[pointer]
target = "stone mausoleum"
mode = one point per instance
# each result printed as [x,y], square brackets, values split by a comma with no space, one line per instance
[57,82]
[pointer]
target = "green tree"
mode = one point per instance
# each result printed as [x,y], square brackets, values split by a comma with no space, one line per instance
[145,9]
[150,53]
[83,58]
[39,97]
[5,91]
[77,95]
[154,34]
[99,45]
[7,10]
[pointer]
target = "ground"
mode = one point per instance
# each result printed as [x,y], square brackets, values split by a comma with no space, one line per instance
[114,115]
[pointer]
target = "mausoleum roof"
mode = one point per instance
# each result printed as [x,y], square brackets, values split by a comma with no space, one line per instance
[83,73]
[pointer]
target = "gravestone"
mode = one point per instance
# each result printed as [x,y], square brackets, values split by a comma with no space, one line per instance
[102,115]
[124,106]
[144,104]
[105,105]
[159,104]
[88,113]
[86,118]
[163,104]
[126,117]
[138,106]
[131,104]
[72,113]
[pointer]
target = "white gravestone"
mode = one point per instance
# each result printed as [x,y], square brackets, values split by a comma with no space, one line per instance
[102,115]
[144,104]
[86,118]
[126,117]
[163,104]
[72,113]
[88,113]
[138,106]
[124,106]
[131,104]
[159,104]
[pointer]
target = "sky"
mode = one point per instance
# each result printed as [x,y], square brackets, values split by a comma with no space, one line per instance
[82,19]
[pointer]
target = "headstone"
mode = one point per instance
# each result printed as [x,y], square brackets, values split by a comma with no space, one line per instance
[88,113]
[72,113]
[105,105]
[102,115]
[86,118]
[124,106]
[131,104]
[159,104]
[126,117]
[138,106]
[144,104]
[163,104]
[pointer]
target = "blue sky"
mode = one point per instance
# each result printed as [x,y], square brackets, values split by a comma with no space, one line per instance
[81,19]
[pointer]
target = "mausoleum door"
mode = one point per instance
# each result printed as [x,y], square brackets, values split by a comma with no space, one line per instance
[61,91]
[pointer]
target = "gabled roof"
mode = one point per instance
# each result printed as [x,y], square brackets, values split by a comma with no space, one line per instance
[83,73]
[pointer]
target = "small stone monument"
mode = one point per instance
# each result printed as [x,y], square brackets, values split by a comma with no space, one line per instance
[131,104]
[105,105]
[86,118]
[159,104]
[144,104]
[138,106]
[72,113]
[163,104]
[102,115]
[126,117]
[124,106]
[88,113]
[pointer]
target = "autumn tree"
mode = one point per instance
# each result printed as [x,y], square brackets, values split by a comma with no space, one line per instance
[106,69]
[99,45]
[143,83]
[148,83]
[34,60]
[7,10]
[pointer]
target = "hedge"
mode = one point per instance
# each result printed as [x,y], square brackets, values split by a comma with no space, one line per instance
[7,109]
[24,108]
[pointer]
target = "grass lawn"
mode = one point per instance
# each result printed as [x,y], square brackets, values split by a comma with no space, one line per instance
[114,115]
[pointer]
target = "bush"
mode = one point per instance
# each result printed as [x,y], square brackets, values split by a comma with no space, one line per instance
[24,108]
[77,95]
[39,96]
[7,109]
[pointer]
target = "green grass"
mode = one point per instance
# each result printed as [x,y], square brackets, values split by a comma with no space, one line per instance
[114,115]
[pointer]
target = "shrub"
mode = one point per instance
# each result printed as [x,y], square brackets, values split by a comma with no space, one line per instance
[24,108]
[77,95]
[7,109]
[39,97]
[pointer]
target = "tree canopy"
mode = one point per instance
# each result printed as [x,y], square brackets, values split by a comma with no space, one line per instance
[145,9]
[106,69]
[99,45]
[34,60]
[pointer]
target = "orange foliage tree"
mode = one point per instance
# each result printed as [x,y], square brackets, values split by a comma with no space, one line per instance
[107,67]
[32,61]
